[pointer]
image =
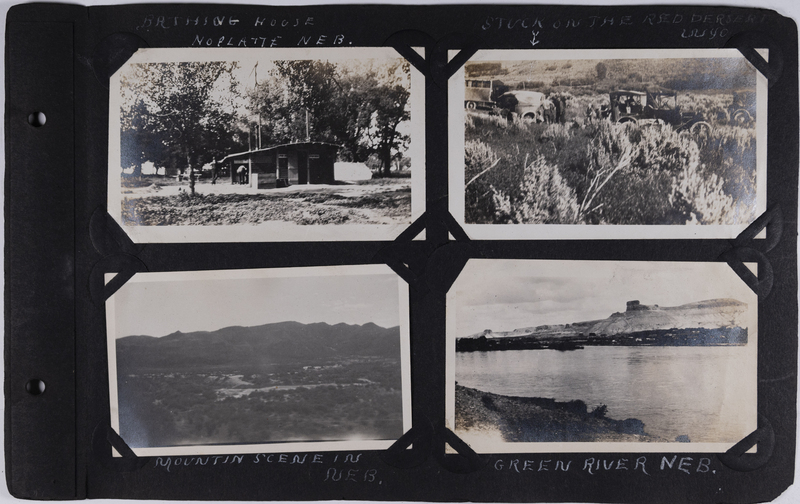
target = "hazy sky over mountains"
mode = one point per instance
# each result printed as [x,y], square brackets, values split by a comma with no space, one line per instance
[157,306]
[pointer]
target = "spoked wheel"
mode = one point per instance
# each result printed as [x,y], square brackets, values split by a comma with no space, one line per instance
[742,117]
[701,131]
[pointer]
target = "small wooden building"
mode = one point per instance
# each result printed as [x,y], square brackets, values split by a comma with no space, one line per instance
[283,165]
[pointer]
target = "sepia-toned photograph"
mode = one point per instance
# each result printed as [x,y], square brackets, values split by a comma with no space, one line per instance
[266,145]
[601,356]
[260,361]
[607,144]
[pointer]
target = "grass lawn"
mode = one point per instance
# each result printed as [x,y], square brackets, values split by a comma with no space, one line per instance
[382,201]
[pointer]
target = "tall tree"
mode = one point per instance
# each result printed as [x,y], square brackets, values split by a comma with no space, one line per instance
[390,105]
[137,141]
[601,70]
[358,106]
[313,92]
[188,106]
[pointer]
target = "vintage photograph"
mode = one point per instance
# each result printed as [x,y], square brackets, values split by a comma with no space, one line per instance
[601,356]
[608,144]
[259,361]
[266,144]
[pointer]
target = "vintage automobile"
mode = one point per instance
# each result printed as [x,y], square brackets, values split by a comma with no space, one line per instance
[655,106]
[743,109]
[483,94]
[529,105]
[478,94]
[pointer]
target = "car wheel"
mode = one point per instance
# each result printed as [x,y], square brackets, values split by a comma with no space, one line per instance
[741,117]
[701,131]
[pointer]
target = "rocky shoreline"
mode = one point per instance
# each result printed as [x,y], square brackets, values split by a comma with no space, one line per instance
[533,419]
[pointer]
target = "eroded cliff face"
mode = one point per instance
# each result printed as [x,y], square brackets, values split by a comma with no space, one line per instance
[708,314]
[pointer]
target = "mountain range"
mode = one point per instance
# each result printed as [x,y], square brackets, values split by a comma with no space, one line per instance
[277,343]
[708,314]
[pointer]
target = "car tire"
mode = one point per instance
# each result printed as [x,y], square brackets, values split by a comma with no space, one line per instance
[741,117]
[701,131]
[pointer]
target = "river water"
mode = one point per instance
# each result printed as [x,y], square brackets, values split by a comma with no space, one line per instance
[676,391]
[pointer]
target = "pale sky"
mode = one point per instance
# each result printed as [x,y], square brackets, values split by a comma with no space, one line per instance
[503,295]
[157,304]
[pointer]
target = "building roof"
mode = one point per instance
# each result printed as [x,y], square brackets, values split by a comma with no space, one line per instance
[274,147]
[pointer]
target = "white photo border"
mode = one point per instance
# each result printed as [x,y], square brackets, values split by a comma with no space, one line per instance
[270,231]
[249,274]
[589,231]
[748,393]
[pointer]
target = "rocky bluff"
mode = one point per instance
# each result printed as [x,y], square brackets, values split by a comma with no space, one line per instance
[713,314]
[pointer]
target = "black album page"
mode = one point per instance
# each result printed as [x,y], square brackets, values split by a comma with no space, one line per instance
[490,253]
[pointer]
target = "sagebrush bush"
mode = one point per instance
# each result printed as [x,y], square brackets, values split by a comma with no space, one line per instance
[731,156]
[602,172]
[544,198]
[511,142]
[700,199]
[664,150]
[557,134]
[478,157]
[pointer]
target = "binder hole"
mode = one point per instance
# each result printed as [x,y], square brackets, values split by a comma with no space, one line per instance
[35,387]
[37,119]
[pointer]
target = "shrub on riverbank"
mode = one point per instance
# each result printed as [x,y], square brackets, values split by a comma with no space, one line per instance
[533,419]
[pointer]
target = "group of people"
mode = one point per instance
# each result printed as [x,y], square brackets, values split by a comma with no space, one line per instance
[595,113]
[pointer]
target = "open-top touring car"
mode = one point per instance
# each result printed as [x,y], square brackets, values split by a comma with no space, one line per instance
[654,106]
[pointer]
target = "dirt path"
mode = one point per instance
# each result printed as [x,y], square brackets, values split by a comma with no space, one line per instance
[379,202]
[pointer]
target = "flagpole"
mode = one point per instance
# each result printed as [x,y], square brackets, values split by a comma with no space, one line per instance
[255,71]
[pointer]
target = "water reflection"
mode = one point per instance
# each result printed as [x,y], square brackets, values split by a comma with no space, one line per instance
[675,391]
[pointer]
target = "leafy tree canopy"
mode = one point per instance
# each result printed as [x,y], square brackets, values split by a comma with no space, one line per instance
[178,114]
[360,106]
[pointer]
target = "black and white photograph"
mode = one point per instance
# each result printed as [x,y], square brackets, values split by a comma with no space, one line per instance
[266,144]
[608,144]
[260,361]
[601,356]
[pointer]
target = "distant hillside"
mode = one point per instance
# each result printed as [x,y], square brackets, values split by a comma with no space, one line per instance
[674,73]
[279,343]
[709,314]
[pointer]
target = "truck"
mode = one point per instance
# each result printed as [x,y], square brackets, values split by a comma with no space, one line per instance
[478,94]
